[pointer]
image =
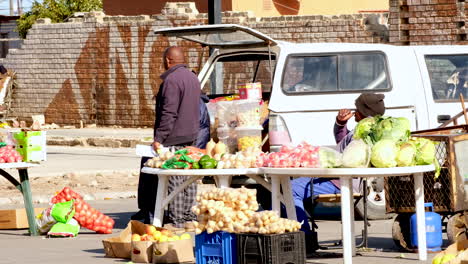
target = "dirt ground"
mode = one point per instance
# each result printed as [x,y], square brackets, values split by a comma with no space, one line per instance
[83,184]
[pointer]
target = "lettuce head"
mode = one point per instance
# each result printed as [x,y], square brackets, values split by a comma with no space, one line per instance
[384,154]
[407,155]
[396,129]
[356,155]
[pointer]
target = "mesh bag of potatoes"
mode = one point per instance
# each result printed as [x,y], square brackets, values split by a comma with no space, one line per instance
[234,211]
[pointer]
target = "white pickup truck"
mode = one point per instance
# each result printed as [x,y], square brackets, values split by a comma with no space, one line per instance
[312,81]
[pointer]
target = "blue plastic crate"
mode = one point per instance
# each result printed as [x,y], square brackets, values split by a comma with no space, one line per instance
[216,248]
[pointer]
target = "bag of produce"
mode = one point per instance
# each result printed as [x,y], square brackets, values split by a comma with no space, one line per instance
[69,229]
[330,158]
[384,154]
[85,214]
[45,221]
[62,212]
[357,155]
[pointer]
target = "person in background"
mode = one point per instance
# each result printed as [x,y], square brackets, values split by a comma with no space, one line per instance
[177,124]
[367,104]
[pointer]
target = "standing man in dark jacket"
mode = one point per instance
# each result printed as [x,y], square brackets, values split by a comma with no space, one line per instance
[177,124]
[204,132]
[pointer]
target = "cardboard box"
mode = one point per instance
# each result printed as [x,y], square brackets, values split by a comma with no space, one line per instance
[250,91]
[142,251]
[173,252]
[121,246]
[16,218]
[32,145]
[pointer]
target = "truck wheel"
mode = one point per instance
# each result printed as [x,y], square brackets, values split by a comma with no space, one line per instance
[457,229]
[375,201]
[401,232]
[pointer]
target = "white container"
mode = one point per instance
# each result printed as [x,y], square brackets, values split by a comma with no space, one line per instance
[228,136]
[226,114]
[249,137]
[247,113]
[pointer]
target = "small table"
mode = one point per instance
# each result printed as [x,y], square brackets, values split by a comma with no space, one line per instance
[24,187]
[280,178]
[223,179]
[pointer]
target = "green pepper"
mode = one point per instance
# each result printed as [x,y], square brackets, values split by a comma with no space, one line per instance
[205,158]
[209,164]
[195,165]
[181,151]
[184,157]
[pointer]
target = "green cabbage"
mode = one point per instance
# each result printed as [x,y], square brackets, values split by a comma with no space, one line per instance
[397,129]
[384,154]
[363,129]
[406,156]
[425,151]
[329,158]
[356,155]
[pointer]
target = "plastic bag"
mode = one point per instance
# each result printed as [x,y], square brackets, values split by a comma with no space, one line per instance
[69,229]
[357,155]
[45,221]
[62,212]
[329,158]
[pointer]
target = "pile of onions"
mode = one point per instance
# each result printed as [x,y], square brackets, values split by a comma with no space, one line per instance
[233,210]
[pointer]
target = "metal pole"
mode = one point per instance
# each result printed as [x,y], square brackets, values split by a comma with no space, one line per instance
[12,10]
[214,17]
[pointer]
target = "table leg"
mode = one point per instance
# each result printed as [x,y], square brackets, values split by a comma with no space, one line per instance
[160,196]
[420,216]
[26,190]
[275,193]
[223,181]
[288,199]
[347,219]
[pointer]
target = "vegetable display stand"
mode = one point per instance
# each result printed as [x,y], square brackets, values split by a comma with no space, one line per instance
[287,248]
[223,177]
[281,188]
[24,187]
[218,247]
[448,192]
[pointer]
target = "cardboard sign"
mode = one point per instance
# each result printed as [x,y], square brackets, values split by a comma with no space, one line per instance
[173,252]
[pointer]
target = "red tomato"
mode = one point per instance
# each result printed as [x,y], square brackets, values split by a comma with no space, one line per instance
[109,224]
[62,200]
[89,221]
[2,160]
[78,206]
[88,214]
[68,197]
[82,220]
[54,200]
[85,206]
[10,159]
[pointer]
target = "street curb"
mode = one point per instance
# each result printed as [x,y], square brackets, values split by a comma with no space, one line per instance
[45,199]
[107,142]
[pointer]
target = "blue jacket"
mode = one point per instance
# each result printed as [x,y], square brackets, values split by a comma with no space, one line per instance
[204,132]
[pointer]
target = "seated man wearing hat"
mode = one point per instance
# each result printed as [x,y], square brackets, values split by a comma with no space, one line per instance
[367,104]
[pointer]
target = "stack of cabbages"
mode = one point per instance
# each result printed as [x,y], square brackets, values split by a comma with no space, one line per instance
[385,142]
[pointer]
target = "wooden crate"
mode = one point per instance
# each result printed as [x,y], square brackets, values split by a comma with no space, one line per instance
[16,218]
[446,192]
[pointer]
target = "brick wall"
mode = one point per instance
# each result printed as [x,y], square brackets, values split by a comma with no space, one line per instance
[428,22]
[105,70]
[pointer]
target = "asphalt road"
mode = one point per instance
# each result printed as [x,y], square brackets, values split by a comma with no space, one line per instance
[16,247]
[63,160]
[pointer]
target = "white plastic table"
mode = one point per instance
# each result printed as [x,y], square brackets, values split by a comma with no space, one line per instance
[24,187]
[280,178]
[223,177]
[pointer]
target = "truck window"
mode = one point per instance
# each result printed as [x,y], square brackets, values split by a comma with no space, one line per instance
[448,75]
[348,72]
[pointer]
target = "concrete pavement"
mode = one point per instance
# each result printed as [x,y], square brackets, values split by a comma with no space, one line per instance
[114,169]
[87,247]
[100,137]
